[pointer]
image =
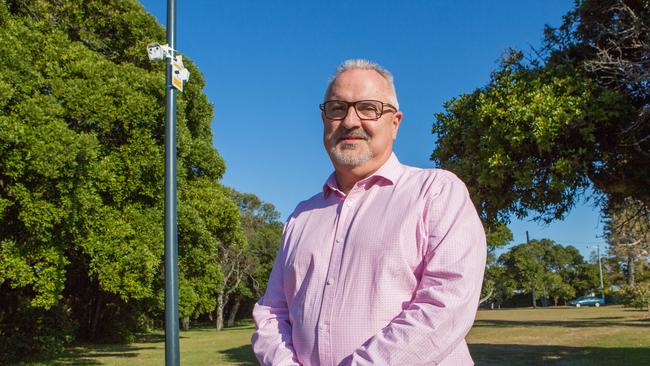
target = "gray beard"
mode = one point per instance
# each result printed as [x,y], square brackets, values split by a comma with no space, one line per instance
[343,154]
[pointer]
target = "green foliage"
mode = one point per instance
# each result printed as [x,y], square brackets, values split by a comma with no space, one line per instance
[497,235]
[541,132]
[628,231]
[637,296]
[544,268]
[81,173]
[208,223]
[498,285]
[558,289]
[263,230]
[251,266]
[27,331]
[522,143]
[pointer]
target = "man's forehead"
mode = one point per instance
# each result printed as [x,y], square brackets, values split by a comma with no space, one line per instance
[360,76]
[359,80]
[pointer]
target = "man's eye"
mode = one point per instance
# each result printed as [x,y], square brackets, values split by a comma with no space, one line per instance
[337,107]
[367,107]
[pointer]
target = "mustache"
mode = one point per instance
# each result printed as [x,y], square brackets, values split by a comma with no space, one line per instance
[356,132]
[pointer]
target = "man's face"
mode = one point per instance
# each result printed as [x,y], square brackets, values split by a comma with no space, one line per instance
[355,144]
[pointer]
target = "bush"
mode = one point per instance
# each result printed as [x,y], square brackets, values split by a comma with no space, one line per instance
[637,296]
[30,333]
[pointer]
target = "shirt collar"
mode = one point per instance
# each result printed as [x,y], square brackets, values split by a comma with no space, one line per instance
[389,171]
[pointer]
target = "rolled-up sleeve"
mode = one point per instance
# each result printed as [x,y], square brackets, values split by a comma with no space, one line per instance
[272,341]
[445,302]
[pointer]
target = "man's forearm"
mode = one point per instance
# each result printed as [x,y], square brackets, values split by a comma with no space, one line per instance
[271,340]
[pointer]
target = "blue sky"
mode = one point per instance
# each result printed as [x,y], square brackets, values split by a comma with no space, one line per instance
[267,63]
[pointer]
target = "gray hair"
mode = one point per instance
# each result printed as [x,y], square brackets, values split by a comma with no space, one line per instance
[362,64]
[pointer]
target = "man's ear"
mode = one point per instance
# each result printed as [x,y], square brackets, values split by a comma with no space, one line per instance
[395,123]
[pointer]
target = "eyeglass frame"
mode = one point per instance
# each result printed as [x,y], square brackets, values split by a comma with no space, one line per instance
[354,105]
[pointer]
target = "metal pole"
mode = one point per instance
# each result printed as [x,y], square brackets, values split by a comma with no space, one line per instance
[172,354]
[600,270]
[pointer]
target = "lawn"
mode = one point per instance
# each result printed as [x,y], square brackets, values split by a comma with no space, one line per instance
[203,346]
[608,335]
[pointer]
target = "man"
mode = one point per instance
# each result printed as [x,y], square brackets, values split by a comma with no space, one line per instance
[385,265]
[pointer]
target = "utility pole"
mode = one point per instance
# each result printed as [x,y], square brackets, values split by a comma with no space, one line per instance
[600,270]
[172,348]
[177,74]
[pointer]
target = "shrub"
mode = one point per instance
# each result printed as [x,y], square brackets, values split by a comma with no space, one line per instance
[28,333]
[637,296]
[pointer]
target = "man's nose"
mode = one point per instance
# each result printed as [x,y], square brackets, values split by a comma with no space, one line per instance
[351,120]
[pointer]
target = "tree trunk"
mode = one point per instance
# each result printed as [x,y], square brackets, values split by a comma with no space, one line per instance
[219,312]
[534,299]
[233,312]
[95,313]
[185,323]
[630,271]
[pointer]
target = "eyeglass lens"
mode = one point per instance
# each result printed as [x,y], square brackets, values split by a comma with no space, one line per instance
[365,109]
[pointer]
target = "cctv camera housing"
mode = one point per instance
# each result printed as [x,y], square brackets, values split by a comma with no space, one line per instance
[155,52]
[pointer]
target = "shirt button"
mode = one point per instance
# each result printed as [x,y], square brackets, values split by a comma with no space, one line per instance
[338,241]
[330,281]
[323,327]
[349,203]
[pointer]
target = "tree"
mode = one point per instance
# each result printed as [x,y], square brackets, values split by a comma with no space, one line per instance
[525,262]
[497,236]
[637,296]
[263,231]
[628,232]
[238,264]
[209,227]
[81,177]
[557,289]
[498,285]
[545,268]
[610,41]
[543,131]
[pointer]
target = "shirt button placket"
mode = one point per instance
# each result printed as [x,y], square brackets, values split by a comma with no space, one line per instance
[329,292]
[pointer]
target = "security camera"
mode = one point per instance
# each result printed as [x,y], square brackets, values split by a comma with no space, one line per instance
[157,52]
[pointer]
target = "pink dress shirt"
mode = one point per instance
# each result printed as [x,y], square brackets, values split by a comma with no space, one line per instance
[388,275]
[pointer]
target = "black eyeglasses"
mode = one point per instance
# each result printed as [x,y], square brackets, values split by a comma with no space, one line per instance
[365,109]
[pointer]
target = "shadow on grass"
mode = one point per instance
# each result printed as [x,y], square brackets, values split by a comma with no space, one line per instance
[70,357]
[150,338]
[586,323]
[525,355]
[92,354]
[242,355]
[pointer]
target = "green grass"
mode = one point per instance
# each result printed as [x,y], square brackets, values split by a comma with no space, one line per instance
[608,335]
[202,346]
